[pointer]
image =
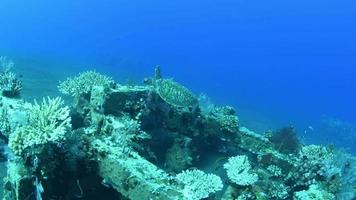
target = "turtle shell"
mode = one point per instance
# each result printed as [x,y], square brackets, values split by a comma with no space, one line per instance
[175,94]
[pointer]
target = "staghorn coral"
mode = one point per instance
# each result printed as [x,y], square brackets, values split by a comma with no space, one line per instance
[238,170]
[47,122]
[198,185]
[84,83]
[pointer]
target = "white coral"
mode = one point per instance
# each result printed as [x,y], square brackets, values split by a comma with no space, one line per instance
[238,170]
[84,83]
[198,185]
[47,122]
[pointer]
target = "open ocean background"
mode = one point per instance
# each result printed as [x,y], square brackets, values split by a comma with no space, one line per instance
[277,62]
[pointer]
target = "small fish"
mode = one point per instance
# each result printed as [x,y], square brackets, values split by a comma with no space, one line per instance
[310,128]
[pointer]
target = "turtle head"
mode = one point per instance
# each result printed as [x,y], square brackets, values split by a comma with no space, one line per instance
[158,72]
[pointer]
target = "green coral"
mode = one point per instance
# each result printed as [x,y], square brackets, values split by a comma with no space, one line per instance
[198,185]
[84,83]
[175,94]
[238,170]
[47,122]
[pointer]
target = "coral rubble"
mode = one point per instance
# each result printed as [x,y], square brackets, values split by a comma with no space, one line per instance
[156,141]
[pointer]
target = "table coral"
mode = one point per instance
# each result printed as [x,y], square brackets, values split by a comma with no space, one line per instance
[238,170]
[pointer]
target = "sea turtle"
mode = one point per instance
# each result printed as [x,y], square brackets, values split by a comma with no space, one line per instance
[172,92]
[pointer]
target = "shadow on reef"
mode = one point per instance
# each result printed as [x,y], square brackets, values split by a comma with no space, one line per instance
[286,140]
[156,141]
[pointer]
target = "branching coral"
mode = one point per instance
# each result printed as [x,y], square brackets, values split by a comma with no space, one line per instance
[10,86]
[48,122]
[198,185]
[84,83]
[238,170]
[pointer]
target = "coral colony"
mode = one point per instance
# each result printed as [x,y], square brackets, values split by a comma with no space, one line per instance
[154,141]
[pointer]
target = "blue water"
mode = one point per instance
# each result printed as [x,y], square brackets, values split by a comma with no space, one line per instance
[278,62]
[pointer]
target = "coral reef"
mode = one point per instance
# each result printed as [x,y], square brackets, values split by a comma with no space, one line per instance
[155,141]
